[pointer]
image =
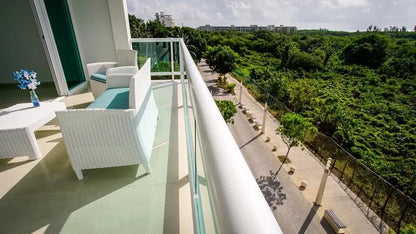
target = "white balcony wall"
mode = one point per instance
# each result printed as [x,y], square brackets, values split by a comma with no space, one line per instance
[92,27]
[20,43]
[120,23]
[101,27]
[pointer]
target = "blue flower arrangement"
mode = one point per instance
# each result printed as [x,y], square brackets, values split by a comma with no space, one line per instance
[26,79]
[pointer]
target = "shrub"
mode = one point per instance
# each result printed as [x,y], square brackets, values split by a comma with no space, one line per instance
[368,51]
[230,87]
[305,61]
[227,110]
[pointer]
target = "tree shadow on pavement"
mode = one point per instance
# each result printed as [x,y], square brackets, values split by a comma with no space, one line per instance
[272,190]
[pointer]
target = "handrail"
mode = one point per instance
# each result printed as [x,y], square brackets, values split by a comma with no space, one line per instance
[199,226]
[239,205]
[155,39]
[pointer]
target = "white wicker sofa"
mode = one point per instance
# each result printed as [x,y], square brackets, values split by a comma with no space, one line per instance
[117,129]
[99,72]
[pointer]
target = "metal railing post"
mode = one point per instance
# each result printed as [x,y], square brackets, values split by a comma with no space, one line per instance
[172,67]
[383,209]
[181,63]
[343,170]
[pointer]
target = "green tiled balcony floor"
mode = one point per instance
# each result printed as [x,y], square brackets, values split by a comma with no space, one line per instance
[44,196]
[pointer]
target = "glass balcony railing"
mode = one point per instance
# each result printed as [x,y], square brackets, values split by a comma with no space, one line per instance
[163,52]
[223,201]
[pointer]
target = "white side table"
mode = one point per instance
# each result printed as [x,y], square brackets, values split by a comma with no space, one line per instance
[17,128]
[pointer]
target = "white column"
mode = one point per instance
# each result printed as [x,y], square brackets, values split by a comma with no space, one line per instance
[241,91]
[263,126]
[49,45]
[120,24]
[321,190]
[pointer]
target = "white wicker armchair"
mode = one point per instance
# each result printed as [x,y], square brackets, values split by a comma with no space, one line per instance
[98,72]
[99,138]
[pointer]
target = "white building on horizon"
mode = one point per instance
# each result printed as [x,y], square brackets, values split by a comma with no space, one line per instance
[251,28]
[166,20]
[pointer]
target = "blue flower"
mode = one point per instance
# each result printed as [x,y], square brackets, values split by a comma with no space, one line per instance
[26,79]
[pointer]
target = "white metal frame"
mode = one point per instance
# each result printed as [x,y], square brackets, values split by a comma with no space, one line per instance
[172,71]
[49,45]
[51,51]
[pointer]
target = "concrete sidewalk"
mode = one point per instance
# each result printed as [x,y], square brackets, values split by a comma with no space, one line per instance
[307,168]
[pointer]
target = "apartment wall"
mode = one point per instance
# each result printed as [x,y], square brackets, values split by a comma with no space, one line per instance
[101,27]
[92,27]
[120,24]
[20,42]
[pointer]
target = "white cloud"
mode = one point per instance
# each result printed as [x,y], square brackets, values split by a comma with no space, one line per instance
[332,14]
[343,3]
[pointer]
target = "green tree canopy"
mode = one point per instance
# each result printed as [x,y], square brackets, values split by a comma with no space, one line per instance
[193,39]
[227,110]
[157,30]
[137,27]
[294,129]
[364,96]
[368,50]
[305,61]
[221,59]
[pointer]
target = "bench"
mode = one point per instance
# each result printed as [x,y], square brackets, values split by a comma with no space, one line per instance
[257,125]
[334,221]
[303,184]
[245,110]
[117,129]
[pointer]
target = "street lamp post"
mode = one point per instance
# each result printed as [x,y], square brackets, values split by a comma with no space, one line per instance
[263,126]
[241,91]
[321,190]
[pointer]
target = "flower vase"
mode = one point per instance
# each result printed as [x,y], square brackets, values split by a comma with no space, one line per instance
[34,98]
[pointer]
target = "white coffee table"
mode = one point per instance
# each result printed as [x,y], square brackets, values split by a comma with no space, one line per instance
[17,128]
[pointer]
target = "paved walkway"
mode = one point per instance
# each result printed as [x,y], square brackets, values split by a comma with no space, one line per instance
[292,207]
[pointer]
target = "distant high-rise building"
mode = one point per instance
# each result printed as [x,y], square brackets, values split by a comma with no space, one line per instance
[166,20]
[251,28]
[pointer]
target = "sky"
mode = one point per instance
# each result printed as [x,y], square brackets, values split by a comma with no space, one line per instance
[343,15]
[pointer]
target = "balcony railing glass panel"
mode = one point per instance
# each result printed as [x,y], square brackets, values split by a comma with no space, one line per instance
[164,55]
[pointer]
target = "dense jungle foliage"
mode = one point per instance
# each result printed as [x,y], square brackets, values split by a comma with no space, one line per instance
[358,88]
